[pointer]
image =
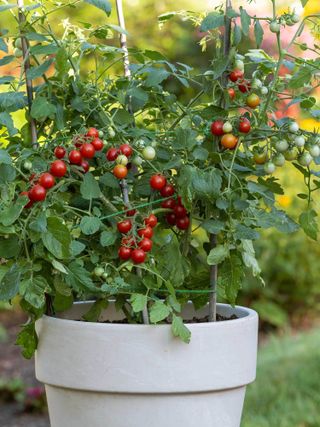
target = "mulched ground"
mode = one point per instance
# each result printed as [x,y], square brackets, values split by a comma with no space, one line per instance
[13,365]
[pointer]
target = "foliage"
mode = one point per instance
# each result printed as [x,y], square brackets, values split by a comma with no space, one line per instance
[61,244]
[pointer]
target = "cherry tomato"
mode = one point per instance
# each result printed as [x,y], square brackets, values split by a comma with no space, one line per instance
[168,204]
[235,75]
[279,159]
[138,256]
[37,193]
[151,221]
[27,165]
[217,127]
[59,152]
[167,190]
[229,141]
[305,159]
[149,153]
[244,86]
[157,182]
[269,168]
[146,232]
[253,101]
[85,166]
[275,27]
[124,253]
[120,171]
[227,127]
[58,168]
[291,154]
[232,93]
[180,211]
[260,157]
[126,150]
[124,226]
[87,151]
[92,133]
[132,212]
[128,241]
[171,218]
[145,244]
[122,160]
[30,203]
[183,223]
[244,125]
[75,157]
[47,180]
[97,143]
[112,154]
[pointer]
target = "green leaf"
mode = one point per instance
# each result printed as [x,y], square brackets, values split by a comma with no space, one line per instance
[103,5]
[9,247]
[156,76]
[258,33]
[89,187]
[77,248]
[249,257]
[6,120]
[304,2]
[107,238]
[12,213]
[4,7]
[40,70]
[95,311]
[62,63]
[48,49]
[159,311]
[138,302]
[59,266]
[218,254]
[5,158]
[42,109]
[6,80]
[237,35]
[90,225]
[244,232]
[57,239]
[9,285]
[245,21]
[6,60]
[211,21]
[62,302]
[34,290]
[213,226]
[300,78]
[308,221]
[39,224]
[200,153]
[28,340]
[230,277]
[79,278]
[7,174]
[180,330]
[12,101]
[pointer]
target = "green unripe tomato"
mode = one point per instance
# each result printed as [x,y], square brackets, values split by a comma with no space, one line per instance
[300,141]
[291,154]
[314,150]
[149,153]
[257,83]
[27,165]
[279,159]
[293,127]
[227,127]
[18,43]
[122,160]
[239,65]
[269,168]
[105,276]
[275,27]
[281,146]
[289,22]
[101,134]
[137,160]
[105,142]
[18,53]
[111,132]
[264,90]
[98,271]
[140,143]
[295,18]
[305,159]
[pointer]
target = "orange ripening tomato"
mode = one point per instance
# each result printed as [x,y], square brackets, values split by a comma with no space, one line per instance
[229,141]
[120,171]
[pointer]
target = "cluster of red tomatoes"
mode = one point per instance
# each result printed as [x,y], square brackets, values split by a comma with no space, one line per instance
[224,130]
[121,156]
[135,244]
[179,215]
[237,77]
[86,145]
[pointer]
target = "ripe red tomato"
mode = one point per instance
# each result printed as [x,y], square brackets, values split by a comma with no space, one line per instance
[229,141]
[87,151]
[145,244]
[183,223]
[97,143]
[120,171]
[167,190]
[131,212]
[124,226]
[59,152]
[171,218]
[217,127]
[112,154]
[244,86]
[151,221]
[124,253]
[126,150]
[37,193]
[168,204]
[157,182]
[244,125]
[30,203]
[92,133]
[58,168]
[146,232]
[47,180]
[253,101]
[138,256]
[232,93]
[128,241]
[85,166]
[235,75]
[75,157]
[180,211]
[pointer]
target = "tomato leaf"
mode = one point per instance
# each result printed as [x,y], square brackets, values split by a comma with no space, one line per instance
[245,21]
[57,239]
[90,225]
[211,21]
[138,302]
[103,5]
[159,311]
[89,187]
[258,32]
[180,330]
[308,221]
[218,254]
[28,340]
[9,285]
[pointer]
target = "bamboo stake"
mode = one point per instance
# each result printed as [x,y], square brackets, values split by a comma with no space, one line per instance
[26,65]
[127,73]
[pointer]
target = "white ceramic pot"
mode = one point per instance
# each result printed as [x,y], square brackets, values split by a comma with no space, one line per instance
[122,375]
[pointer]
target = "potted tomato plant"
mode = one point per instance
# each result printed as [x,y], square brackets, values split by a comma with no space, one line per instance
[125,212]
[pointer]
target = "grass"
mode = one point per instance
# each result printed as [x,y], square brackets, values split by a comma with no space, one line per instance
[287,390]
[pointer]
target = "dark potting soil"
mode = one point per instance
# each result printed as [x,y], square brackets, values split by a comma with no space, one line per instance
[205,319]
